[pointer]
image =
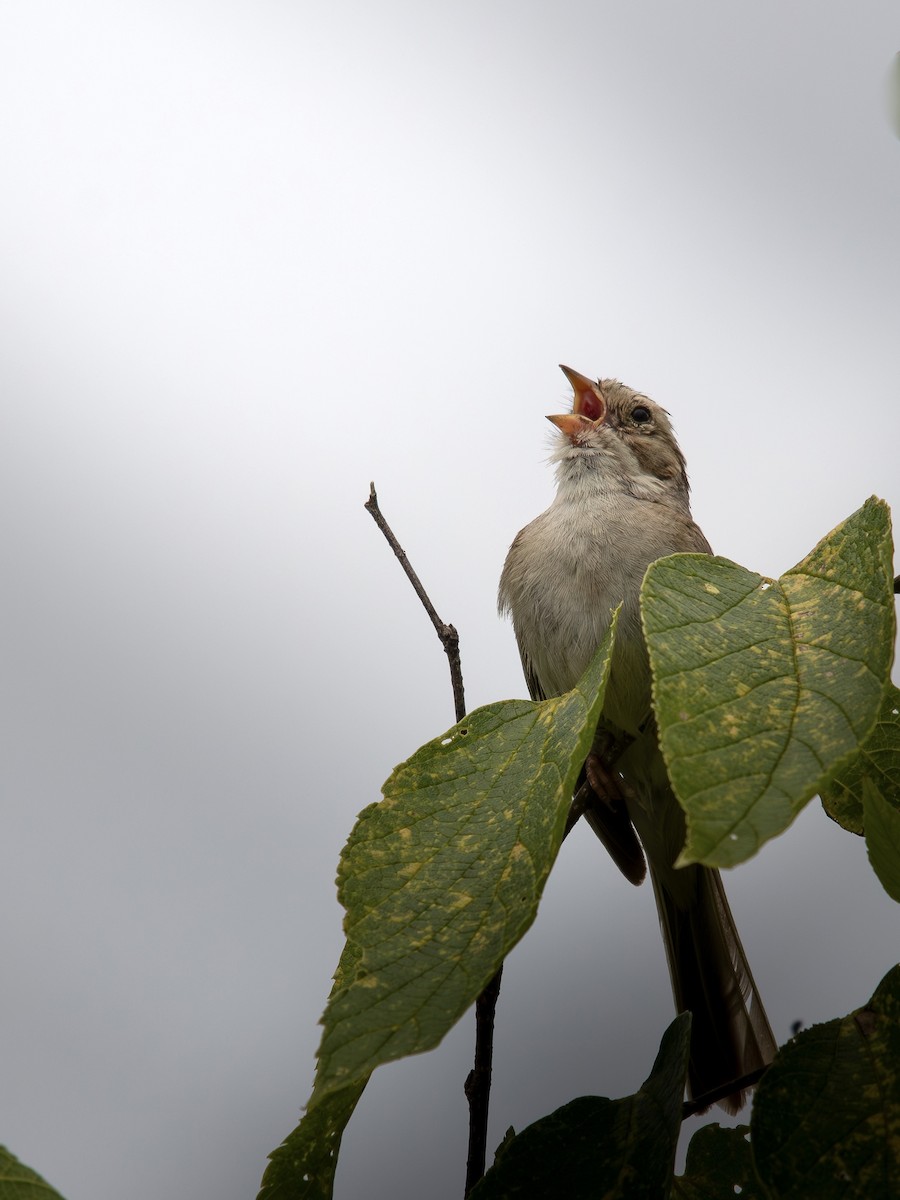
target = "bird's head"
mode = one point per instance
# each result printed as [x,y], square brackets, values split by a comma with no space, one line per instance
[622,435]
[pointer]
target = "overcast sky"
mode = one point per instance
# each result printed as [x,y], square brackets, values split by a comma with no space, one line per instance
[255,255]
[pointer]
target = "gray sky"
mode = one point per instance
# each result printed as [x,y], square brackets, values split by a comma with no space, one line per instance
[255,255]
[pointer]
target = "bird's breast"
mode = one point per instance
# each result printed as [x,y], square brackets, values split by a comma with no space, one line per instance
[568,575]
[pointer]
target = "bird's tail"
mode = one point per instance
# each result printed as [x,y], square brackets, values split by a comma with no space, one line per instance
[730,1032]
[711,978]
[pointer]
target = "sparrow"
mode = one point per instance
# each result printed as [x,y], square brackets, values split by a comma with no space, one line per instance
[623,501]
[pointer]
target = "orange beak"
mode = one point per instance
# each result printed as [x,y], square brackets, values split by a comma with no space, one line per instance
[571,424]
[589,406]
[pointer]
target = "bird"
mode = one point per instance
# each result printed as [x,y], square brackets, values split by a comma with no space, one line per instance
[622,502]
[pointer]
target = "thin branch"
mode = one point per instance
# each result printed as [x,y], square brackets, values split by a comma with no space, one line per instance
[690,1108]
[478,1082]
[448,635]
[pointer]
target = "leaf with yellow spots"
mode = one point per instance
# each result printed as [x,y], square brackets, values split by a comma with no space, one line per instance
[303,1166]
[826,1118]
[763,688]
[443,877]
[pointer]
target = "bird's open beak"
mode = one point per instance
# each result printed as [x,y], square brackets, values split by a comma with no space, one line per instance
[589,406]
[571,424]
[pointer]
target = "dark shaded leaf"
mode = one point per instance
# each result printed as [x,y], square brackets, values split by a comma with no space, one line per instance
[599,1149]
[719,1166]
[826,1119]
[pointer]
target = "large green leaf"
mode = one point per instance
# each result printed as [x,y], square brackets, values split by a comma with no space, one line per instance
[594,1147]
[878,761]
[443,877]
[826,1119]
[762,687]
[439,880]
[18,1182]
[719,1166]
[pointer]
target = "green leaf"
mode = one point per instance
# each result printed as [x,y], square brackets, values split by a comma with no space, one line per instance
[719,1166]
[303,1166]
[882,820]
[594,1147]
[878,760]
[443,877]
[826,1119]
[18,1182]
[763,687]
[439,881]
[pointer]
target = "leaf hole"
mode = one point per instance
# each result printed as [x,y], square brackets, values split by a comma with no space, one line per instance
[446,741]
[764,587]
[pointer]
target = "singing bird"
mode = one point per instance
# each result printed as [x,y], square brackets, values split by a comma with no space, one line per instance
[623,501]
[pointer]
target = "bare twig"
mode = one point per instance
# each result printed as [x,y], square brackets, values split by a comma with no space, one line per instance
[478,1082]
[690,1108]
[448,635]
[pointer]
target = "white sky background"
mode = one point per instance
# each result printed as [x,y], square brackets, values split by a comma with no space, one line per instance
[255,255]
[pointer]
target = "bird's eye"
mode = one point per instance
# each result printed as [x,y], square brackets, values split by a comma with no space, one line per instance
[641,415]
